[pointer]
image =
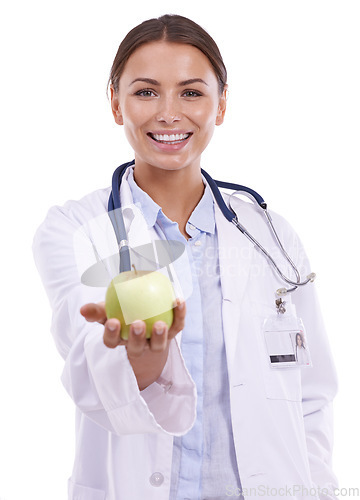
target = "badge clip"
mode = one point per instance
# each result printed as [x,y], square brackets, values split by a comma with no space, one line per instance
[280,306]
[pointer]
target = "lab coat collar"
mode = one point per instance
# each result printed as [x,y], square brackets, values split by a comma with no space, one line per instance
[235,258]
[135,222]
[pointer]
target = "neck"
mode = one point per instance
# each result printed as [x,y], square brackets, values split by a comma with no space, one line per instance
[177,192]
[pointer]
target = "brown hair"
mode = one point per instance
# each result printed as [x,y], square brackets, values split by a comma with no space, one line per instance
[169,28]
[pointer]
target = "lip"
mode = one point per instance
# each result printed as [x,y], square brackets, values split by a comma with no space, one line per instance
[169,147]
[169,131]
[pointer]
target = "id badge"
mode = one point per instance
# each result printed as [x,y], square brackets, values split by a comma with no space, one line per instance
[285,341]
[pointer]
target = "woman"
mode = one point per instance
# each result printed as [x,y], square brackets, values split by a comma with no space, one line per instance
[302,356]
[196,412]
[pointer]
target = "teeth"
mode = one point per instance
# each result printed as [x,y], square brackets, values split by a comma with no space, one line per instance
[170,138]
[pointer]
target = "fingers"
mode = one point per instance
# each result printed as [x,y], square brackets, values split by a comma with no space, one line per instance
[159,336]
[112,333]
[136,343]
[94,312]
[179,319]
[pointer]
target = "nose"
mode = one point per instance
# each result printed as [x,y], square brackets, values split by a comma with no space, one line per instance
[168,111]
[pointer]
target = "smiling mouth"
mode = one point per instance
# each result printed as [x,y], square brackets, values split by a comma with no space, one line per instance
[169,139]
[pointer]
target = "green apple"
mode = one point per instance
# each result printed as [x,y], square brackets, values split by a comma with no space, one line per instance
[145,295]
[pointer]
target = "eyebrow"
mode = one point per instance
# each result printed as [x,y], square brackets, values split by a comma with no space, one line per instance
[180,84]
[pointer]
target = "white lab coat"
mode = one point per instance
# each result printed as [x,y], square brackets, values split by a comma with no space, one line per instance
[281,419]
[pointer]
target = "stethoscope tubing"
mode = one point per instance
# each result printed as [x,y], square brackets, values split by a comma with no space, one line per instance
[114,209]
[230,215]
[115,214]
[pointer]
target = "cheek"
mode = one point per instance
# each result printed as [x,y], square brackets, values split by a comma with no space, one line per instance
[206,116]
[134,117]
[135,114]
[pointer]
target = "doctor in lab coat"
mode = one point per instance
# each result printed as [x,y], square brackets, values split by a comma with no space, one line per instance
[126,423]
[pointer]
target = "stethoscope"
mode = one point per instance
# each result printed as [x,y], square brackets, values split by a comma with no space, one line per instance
[117,220]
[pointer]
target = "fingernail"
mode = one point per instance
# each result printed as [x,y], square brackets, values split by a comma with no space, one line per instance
[181,305]
[159,329]
[111,327]
[137,327]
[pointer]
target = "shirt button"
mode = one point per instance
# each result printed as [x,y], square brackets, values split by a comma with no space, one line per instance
[156,479]
[191,227]
[197,243]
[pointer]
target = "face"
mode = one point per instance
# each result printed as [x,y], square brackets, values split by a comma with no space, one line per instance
[299,340]
[169,104]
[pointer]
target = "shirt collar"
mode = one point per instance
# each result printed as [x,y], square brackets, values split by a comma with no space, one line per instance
[149,208]
[203,216]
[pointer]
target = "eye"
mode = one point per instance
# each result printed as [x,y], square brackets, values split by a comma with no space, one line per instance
[145,93]
[192,93]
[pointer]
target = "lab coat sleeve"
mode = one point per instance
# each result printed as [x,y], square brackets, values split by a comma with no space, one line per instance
[100,380]
[319,385]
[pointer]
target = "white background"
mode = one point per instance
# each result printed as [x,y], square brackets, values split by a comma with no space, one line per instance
[291,133]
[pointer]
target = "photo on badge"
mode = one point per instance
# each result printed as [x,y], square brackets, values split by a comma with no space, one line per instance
[301,349]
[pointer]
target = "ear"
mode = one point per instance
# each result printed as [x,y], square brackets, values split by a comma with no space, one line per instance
[115,106]
[222,107]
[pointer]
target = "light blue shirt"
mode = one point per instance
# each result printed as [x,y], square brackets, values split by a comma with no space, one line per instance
[204,462]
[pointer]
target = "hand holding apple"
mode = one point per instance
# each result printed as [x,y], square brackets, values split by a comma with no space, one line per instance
[147,357]
[140,295]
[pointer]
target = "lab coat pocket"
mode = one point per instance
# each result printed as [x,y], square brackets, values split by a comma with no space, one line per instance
[284,383]
[279,383]
[79,492]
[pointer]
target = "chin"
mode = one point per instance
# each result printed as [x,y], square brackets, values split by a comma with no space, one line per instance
[167,162]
